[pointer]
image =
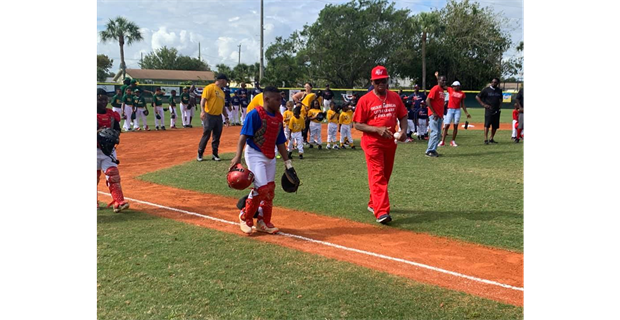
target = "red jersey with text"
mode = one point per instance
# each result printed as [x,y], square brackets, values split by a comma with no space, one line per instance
[437,100]
[379,111]
[456,97]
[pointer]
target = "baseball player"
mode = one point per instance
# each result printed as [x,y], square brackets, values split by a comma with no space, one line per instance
[235,101]
[315,124]
[328,96]
[127,109]
[344,120]
[173,109]
[117,102]
[139,107]
[158,109]
[286,117]
[296,125]
[107,118]
[185,106]
[262,132]
[332,126]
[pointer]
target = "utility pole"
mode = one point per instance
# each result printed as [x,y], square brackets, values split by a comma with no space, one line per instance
[260,75]
[199,52]
[239,62]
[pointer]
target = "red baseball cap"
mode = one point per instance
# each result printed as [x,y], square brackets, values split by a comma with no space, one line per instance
[379,72]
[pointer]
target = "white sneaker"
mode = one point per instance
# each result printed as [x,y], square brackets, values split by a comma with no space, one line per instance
[441,144]
[263,227]
[328,147]
[243,225]
[452,143]
[371,210]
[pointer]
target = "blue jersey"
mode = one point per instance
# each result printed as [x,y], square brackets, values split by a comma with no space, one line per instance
[417,98]
[226,90]
[235,100]
[256,92]
[244,103]
[253,123]
[242,92]
[423,112]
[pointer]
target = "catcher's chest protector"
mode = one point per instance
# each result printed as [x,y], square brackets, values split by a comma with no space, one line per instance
[105,120]
[265,138]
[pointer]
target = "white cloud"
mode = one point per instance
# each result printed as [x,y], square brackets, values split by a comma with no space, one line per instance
[163,38]
[233,19]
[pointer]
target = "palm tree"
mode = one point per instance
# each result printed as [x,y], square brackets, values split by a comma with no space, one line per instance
[428,23]
[124,31]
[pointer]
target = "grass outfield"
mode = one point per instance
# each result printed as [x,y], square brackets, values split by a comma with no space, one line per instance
[154,268]
[473,192]
[477,115]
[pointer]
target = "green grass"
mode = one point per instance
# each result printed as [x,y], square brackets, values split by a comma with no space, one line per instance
[473,192]
[477,115]
[153,268]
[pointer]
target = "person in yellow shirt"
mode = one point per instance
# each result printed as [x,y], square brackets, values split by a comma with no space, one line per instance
[315,116]
[296,124]
[211,107]
[345,120]
[333,117]
[256,101]
[305,97]
[286,117]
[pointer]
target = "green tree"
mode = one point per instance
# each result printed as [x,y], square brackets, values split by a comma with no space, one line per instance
[166,58]
[104,63]
[189,63]
[224,69]
[347,41]
[123,31]
[282,68]
[428,25]
[472,44]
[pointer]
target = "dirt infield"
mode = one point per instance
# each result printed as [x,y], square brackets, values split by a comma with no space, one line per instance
[492,266]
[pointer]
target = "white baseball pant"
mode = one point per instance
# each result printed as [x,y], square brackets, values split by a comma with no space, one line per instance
[234,114]
[345,132]
[410,126]
[326,104]
[159,111]
[127,123]
[243,114]
[422,127]
[184,114]
[315,132]
[139,116]
[173,121]
[263,168]
[514,130]
[296,138]
[104,162]
[332,132]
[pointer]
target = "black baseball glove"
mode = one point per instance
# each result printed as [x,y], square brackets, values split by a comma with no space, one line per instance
[133,115]
[290,181]
[145,112]
[173,116]
[158,116]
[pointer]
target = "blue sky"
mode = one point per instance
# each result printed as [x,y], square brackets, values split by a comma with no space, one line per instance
[220,26]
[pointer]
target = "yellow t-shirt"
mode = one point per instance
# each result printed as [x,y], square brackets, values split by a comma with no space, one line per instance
[330,113]
[287,115]
[346,117]
[214,99]
[256,101]
[312,113]
[308,99]
[297,124]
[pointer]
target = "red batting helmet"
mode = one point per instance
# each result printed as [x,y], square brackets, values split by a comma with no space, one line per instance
[239,177]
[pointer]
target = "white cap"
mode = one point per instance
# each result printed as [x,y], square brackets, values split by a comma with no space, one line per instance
[456,83]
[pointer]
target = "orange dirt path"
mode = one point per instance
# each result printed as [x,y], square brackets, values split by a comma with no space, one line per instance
[136,153]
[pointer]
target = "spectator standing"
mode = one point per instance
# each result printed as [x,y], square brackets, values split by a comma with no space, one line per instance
[491,99]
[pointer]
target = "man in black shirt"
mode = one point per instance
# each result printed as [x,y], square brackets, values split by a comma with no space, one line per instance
[491,99]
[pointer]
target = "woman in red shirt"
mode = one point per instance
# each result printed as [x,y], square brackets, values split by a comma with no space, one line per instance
[456,102]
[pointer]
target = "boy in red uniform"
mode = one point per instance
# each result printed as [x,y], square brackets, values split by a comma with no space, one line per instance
[262,131]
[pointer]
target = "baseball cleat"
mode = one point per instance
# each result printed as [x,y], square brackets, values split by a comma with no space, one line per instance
[121,207]
[246,226]
[384,219]
[266,227]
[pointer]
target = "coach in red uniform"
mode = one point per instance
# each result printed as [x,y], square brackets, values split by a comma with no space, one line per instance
[376,116]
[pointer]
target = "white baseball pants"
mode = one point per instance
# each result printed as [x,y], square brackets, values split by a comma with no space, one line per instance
[332,132]
[296,138]
[263,168]
[139,116]
[315,132]
[159,111]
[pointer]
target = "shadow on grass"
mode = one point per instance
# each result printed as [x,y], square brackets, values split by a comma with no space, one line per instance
[106,215]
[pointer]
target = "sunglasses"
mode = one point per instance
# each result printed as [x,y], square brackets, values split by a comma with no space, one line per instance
[379,81]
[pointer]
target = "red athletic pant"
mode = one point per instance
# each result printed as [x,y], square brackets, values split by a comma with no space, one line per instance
[379,161]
